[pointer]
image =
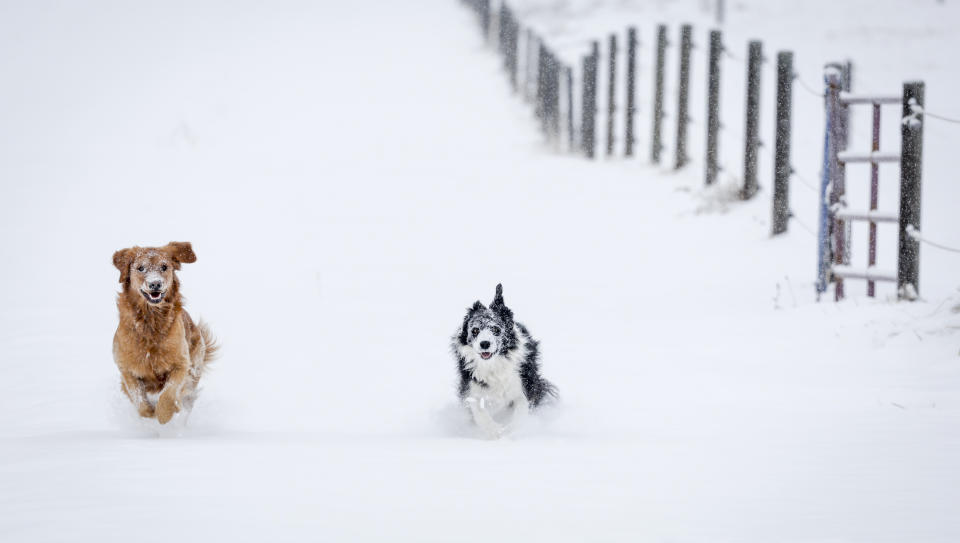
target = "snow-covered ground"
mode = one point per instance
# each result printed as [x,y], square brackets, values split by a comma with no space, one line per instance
[352,176]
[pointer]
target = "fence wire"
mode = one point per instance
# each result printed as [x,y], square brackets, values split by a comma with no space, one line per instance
[915,234]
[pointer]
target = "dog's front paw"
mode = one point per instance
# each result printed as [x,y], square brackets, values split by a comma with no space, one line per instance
[167,406]
[146,410]
[493,432]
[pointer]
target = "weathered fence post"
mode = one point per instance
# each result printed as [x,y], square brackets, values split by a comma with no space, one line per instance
[846,84]
[683,116]
[911,154]
[587,125]
[531,53]
[655,142]
[751,134]
[611,92]
[570,139]
[713,105]
[485,19]
[831,147]
[540,106]
[781,167]
[553,104]
[631,98]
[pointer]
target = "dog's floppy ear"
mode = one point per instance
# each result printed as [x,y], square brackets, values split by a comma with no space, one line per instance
[122,260]
[181,252]
[477,306]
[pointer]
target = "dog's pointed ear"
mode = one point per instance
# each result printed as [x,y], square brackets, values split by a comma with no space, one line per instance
[477,306]
[501,308]
[498,297]
[122,260]
[181,252]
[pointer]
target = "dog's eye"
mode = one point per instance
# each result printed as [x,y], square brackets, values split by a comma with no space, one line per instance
[141,269]
[163,268]
[496,331]
[475,331]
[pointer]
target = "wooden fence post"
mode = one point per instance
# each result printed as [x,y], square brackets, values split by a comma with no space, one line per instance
[570,138]
[589,109]
[683,97]
[631,94]
[751,134]
[782,168]
[713,106]
[656,146]
[611,91]
[911,155]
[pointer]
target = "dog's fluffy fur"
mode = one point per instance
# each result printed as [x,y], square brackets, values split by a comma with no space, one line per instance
[498,362]
[159,350]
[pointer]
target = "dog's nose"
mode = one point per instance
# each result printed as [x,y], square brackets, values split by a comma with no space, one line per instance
[155,285]
[484,344]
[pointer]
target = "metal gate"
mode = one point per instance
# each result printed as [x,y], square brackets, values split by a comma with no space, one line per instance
[833,259]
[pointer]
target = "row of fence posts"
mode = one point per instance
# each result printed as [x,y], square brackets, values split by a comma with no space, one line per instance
[545,76]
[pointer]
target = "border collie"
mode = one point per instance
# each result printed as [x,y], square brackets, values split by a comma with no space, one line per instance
[499,367]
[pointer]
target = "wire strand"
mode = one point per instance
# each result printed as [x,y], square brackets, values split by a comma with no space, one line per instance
[915,234]
[806,87]
[804,182]
[941,117]
[793,216]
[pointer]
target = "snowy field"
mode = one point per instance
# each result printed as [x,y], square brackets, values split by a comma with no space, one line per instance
[352,176]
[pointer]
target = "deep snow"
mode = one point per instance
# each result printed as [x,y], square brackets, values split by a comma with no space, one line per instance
[352,177]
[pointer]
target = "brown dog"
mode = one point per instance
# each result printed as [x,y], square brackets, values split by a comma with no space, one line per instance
[161,353]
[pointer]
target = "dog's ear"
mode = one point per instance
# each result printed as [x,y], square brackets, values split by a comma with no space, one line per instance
[498,297]
[181,252]
[501,308]
[122,260]
[477,306]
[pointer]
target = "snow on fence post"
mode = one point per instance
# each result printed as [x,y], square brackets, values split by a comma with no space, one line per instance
[569,76]
[911,154]
[831,146]
[655,143]
[782,168]
[589,109]
[751,134]
[713,105]
[683,97]
[631,108]
[611,91]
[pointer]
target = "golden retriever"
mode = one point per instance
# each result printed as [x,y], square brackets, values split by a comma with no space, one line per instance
[161,353]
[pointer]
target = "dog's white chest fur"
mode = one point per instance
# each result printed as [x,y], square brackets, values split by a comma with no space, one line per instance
[496,381]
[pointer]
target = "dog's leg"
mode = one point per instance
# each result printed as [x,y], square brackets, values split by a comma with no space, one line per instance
[482,417]
[521,409]
[133,388]
[169,402]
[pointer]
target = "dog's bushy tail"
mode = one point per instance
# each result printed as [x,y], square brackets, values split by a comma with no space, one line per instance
[210,342]
[550,393]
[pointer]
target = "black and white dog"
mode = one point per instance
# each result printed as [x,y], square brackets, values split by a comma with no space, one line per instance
[499,366]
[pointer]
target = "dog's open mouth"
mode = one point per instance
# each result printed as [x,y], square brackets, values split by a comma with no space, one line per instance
[485,355]
[153,296]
